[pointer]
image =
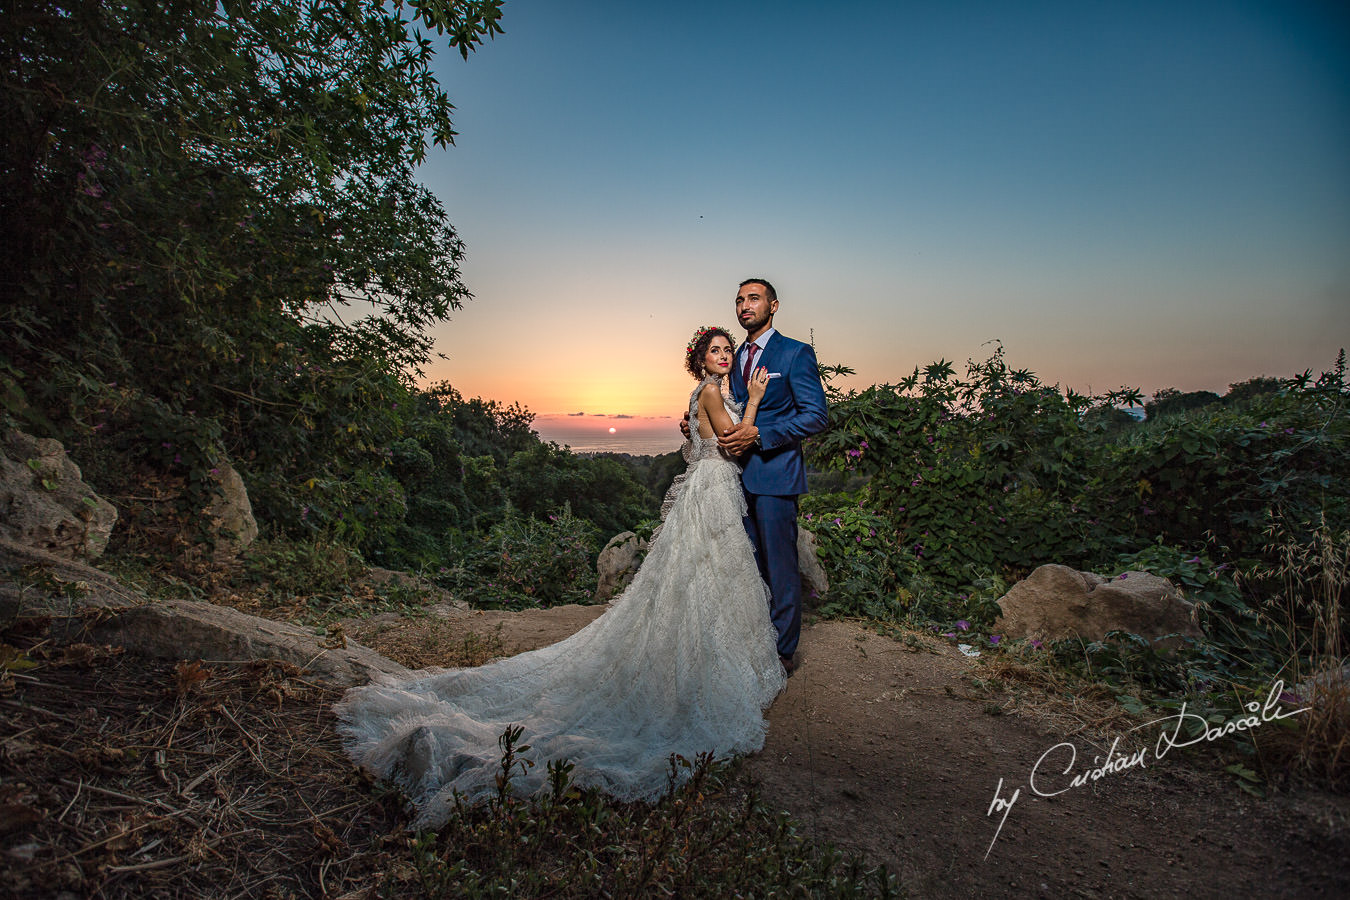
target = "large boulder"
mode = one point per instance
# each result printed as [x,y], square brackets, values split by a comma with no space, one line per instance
[44,502]
[70,601]
[815,584]
[190,629]
[1057,602]
[229,514]
[617,565]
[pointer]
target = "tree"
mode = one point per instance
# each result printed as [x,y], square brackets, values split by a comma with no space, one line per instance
[193,191]
[1170,401]
[1243,391]
[547,478]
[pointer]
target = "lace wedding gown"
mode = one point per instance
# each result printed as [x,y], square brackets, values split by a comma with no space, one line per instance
[684,661]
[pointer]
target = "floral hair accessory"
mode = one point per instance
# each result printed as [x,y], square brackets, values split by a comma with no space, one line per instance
[698,335]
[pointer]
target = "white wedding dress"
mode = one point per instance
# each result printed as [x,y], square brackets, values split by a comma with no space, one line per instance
[684,661]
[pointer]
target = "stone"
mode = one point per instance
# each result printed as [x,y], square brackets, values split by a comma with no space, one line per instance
[189,629]
[230,514]
[1328,691]
[815,584]
[72,602]
[1056,602]
[617,565]
[44,502]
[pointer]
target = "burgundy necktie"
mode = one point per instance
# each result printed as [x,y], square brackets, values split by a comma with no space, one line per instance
[749,361]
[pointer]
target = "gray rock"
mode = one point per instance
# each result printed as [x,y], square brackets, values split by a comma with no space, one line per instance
[37,584]
[617,565]
[1056,602]
[44,502]
[76,602]
[815,584]
[230,514]
[188,629]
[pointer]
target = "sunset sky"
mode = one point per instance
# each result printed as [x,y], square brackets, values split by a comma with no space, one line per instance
[1132,193]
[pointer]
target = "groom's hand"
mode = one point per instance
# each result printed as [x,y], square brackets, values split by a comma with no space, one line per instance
[684,425]
[738,438]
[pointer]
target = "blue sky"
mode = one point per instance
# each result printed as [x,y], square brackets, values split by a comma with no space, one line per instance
[1151,194]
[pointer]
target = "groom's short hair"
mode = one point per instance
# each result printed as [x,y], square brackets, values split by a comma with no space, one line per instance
[773,295]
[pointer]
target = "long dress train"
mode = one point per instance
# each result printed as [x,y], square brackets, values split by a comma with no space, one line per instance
[684,661]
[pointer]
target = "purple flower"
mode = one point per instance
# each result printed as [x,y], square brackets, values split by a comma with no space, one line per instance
[1035,644]
[1262,425]
[995,638]
[864,445]
[838,521]
[901,509]
[1123,576]
[1193,559]
[950,634]
[963,625]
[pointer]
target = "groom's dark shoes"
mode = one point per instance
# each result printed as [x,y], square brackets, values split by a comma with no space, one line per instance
[789,664]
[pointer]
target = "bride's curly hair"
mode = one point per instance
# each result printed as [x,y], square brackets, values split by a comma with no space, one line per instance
[698,347]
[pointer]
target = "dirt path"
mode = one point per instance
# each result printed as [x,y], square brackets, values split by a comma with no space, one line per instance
[887,751]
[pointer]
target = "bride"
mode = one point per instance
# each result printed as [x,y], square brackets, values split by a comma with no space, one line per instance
[684,660]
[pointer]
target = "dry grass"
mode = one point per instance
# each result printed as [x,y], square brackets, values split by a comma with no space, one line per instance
[1314,745]
[427,642]
[121,778]
[1313,573]
[1057,702]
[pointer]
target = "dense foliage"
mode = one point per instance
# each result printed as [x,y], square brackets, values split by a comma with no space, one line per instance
[972,482]
[216,249]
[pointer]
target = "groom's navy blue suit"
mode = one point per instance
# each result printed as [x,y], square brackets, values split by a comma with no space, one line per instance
[792,409]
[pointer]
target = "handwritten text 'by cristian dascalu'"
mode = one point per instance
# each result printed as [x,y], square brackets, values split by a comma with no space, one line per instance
[1056,764]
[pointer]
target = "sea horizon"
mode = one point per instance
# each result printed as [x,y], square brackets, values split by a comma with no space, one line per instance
[617,433]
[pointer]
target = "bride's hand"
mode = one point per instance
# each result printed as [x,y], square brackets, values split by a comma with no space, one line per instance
[759,383]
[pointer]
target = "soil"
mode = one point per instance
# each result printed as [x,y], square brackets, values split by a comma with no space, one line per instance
[895,749]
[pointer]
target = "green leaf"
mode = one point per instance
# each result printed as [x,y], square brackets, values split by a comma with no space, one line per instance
[13,659]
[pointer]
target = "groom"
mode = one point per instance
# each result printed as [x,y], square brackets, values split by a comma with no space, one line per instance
[792,409]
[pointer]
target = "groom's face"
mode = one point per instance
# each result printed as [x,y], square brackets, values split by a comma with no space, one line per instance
[754,309]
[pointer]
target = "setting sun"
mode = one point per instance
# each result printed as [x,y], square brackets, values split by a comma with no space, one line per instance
[612,430]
